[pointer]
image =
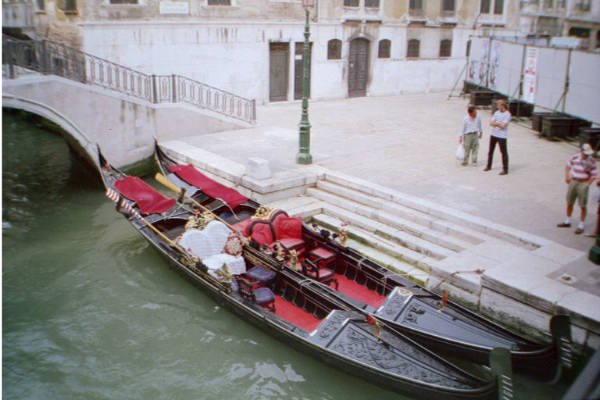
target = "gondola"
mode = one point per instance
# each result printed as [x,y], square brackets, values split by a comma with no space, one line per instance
[282,303]
[425,316]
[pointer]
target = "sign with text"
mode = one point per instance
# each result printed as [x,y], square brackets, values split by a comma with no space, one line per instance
[529,75]
[174,7]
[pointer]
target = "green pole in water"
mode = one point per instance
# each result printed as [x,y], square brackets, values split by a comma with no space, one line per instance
[501,365]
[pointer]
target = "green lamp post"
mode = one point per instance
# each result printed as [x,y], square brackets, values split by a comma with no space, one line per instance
[304,156]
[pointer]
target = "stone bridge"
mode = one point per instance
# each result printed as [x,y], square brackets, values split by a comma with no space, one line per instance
[97,102]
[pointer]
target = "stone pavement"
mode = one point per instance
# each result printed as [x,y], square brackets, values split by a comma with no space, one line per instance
[403,148]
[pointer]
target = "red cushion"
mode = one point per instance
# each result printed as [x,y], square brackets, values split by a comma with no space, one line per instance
[288,227]
[148,199]
[261,233]
[243,226]
[290,243]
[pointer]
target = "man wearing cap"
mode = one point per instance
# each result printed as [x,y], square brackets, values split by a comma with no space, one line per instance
[580,172]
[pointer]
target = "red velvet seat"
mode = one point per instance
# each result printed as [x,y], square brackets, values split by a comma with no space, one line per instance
[322,257]
[323,275]
[279,228]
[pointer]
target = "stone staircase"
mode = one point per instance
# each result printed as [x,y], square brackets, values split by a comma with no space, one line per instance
[411,241]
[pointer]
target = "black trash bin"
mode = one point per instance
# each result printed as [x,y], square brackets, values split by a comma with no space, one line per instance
[481,97]
[538,117]
[556,127]
[576,125]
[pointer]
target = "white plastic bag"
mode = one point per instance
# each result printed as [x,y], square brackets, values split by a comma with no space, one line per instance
[460,152]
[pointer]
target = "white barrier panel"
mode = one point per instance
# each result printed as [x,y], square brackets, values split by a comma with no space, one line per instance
[551,74]
[583,97]
[477,68]
[509,69]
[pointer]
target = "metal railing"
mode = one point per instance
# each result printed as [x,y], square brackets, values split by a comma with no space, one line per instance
[53,58]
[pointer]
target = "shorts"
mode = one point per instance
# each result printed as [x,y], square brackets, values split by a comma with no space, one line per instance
[578,191]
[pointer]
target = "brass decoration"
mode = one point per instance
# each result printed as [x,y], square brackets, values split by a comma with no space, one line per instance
[199,221]
[278,251]
[343,233]
[294,263]
[262,212]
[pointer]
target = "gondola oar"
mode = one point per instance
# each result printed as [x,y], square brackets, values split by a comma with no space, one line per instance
[170,185]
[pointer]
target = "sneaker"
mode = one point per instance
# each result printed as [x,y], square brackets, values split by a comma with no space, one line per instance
[503,173]
[578,231]
[464,164]
[487,169]
[563,225]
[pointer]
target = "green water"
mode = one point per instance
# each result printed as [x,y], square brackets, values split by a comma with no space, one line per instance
[91,311]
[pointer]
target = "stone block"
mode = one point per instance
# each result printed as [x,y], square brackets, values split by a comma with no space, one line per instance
[584,309]
[515,314]
[459,270]
[258,168]
[456,294]
[558,253]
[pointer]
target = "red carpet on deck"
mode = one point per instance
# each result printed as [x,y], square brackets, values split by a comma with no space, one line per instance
[358,291]
[294,314]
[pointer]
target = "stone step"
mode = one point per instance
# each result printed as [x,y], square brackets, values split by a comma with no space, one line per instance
[475,228]
[390,225]
[390,234]
[411,257]
[442,236]
[386,206]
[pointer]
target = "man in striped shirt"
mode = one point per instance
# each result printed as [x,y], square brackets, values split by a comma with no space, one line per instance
[580,172]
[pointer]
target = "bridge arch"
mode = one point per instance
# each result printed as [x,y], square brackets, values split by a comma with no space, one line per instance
[74,135]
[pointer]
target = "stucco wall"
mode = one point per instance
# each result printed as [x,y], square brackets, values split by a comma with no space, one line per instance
[124,128]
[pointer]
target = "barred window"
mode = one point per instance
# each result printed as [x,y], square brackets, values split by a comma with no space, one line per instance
[350,3]
[372,3]
[123,1]
[67,5]
[219,2]
[334,49]
[446,48]
[384,48]
[413,48]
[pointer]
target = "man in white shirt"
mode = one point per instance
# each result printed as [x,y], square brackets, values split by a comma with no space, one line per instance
[470,135]
[499,124]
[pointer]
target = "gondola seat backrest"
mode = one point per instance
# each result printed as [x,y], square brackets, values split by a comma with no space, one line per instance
[208,244]
[278,228]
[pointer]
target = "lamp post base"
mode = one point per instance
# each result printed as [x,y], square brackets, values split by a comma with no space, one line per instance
[304,158]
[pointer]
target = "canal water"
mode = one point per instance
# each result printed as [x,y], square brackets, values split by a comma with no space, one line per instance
[91,311]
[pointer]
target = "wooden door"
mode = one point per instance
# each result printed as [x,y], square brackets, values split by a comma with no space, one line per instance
[278,71]
[358,67]
[299,69]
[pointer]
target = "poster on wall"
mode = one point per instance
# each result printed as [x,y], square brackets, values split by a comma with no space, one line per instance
[495,56]
[529,74]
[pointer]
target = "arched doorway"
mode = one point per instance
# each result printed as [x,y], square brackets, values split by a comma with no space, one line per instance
[358,67]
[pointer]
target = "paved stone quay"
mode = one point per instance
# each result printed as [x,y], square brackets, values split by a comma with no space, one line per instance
[387,164]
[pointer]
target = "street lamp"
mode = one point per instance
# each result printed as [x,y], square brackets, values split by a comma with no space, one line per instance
[304,156]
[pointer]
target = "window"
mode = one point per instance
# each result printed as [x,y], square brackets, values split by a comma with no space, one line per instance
[350,3]
[582,5]
[384,48]
[39,5]
[416,4]
[219,2]
[448,5]
[123,1]
[413,48]
[334,49]
[372,3]
[485,7]
[446,48]
[548,4]
[499,7]
[68,6]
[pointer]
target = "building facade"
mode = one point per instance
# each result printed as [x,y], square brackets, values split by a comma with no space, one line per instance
[253,48]
[573,18]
